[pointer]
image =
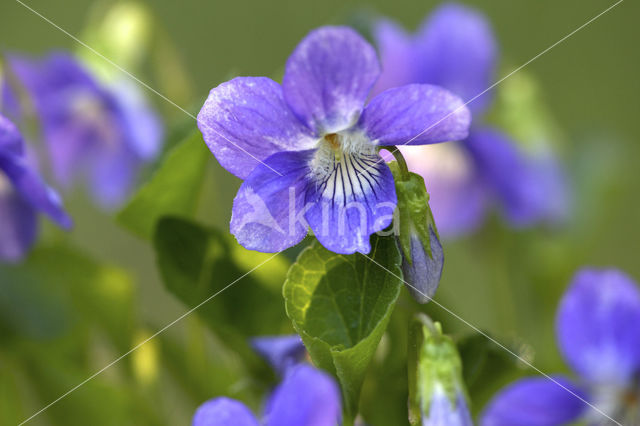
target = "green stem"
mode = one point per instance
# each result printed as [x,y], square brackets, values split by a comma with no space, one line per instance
[425,320]
[402,163]
[502,285]
[347,421]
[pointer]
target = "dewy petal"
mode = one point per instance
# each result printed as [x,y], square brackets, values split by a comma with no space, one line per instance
[245,120]
[597,326]
[306,397]
[328,77]
[223,412]
[441,411]
[457,196]
[33,190]
[281,352]
[415,114]
[268,211]
[18,225]
[458,51]
[396,54]
[535,402]
[508,174]
[355,198]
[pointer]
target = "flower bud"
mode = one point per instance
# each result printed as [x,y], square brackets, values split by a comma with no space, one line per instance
[422,273]
[422,255]
[122,33]
[436,391]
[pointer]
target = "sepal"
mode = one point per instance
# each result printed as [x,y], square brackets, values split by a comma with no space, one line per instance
[436,387]
[417,236]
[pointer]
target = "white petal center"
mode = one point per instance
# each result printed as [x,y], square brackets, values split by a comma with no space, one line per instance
[346,166]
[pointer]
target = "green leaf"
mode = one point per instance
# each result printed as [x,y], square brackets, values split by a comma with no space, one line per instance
[12,410]
[341,305]
[385,394]
[197,263]
[189,360]
[102,401]
[172,190]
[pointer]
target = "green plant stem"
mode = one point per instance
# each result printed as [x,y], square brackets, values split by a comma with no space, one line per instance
[425,320]
[347,420]
[402,163]
[502,285]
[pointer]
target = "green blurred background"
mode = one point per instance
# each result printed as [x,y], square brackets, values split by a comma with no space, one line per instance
[503,281]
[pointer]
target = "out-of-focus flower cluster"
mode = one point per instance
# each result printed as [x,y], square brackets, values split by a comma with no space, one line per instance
[455,48]
[78,127]
[598,334]
[93,132]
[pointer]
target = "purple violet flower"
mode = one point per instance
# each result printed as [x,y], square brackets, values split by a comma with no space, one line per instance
[281,352]
[101,135]
[306,397]
[22,195]
[307,150]
[455,48]
[598,334]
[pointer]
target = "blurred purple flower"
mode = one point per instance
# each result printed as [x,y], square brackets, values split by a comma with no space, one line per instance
[306,397]
[98,134]
[455,48]
[598,334]
[281,352]
[22,195]
[307,150]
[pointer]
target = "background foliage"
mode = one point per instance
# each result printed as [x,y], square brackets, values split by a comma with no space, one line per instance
[81,301]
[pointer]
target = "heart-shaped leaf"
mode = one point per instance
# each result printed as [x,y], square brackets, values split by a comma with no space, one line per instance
[341,306]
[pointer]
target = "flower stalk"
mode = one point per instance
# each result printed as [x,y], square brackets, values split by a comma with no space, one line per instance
[416,233]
